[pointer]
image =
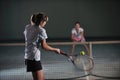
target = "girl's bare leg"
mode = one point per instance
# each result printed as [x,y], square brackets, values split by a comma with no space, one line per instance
[38,75]
[72,50]
[87,49]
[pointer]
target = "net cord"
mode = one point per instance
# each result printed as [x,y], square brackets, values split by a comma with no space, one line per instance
[90,43]
[65,43]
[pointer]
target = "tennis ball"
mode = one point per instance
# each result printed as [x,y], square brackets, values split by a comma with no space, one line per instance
[82,53]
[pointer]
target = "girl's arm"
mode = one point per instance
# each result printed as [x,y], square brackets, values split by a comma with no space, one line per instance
[47,47]
[82,34]
[72,37]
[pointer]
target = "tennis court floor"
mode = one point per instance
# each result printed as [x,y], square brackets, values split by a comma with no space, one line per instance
[57,67]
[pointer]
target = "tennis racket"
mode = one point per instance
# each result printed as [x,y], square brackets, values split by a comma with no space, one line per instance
[82,62]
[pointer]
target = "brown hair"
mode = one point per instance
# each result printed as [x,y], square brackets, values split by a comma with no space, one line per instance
[77,22]
[37,18]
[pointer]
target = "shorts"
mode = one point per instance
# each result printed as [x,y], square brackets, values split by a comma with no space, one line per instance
[79,39]
[33,66]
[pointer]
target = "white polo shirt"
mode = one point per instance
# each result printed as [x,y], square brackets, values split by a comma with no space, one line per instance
[77,34]
[32,34]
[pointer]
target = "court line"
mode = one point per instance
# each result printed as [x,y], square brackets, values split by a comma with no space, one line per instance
[86,72]
[87,77]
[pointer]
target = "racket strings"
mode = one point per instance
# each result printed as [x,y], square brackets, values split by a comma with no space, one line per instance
[83,63]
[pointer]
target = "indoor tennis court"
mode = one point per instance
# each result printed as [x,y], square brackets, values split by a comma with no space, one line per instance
[105,55]
[99,29]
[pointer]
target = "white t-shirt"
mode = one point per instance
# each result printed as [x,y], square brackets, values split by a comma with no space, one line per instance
[77,34]
[32,35]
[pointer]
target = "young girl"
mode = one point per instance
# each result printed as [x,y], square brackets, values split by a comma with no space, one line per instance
[34,33]
[78,36]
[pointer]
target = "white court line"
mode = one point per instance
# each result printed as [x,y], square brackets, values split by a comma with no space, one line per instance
[87,77]
[86,72]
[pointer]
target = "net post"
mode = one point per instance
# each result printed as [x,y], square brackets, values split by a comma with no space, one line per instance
[90,47]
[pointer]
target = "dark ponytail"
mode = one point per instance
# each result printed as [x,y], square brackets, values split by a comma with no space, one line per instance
[37,18]
[33,18]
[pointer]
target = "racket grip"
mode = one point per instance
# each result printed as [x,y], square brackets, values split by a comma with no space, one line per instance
[63,53]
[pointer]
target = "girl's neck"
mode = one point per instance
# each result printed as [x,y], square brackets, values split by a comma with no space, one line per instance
[40,26]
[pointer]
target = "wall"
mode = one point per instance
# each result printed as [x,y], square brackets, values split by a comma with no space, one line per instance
[99,18]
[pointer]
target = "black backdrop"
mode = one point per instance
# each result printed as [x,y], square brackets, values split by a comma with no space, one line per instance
[99,18]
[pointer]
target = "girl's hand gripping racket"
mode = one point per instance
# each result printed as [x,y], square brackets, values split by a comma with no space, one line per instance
[82,62]
[65,54]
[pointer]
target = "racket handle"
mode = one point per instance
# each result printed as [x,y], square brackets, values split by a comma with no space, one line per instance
[63,53]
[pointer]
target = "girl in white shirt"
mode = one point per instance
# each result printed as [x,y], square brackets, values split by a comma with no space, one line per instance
[77,35]
[34,33]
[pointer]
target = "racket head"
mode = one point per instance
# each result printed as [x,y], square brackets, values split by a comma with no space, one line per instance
[80,62]
[84,63]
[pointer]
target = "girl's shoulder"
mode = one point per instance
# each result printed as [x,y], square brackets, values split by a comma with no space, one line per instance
[28,26]
[81,29]
[73,29]
[41,29]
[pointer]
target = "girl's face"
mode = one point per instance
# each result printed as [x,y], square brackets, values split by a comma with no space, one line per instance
[43,23]
[77,26]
